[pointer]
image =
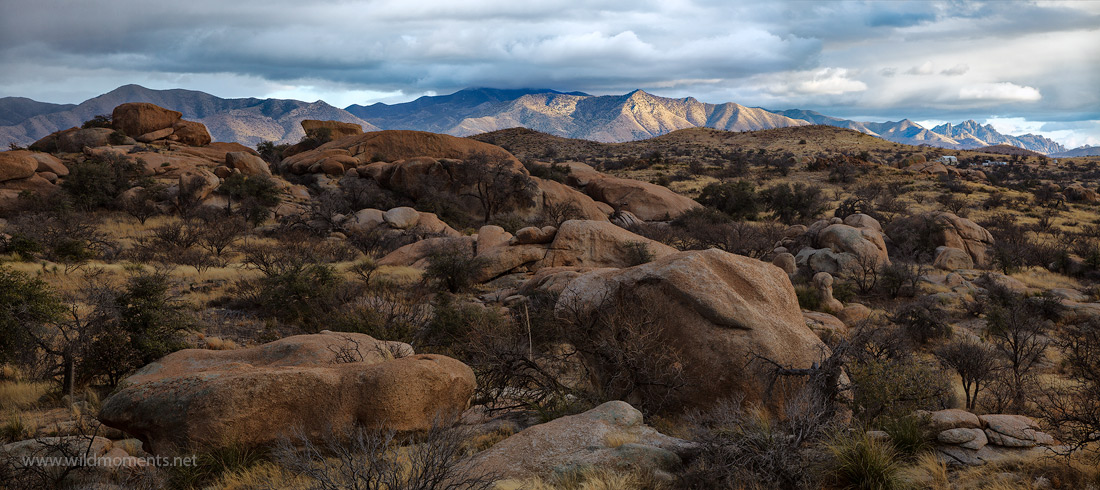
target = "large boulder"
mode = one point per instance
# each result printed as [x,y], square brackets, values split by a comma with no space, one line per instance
[565,201]
[50,163]
[249,164]
[137,118]
[17,164]
[952,259]
[721,312]
[337,129]
[199,398]
[191,133]
[865,244]
[416,254]
[650,202]
[76,140]
[611,436]
[196,185]
[948,230]
[599,244]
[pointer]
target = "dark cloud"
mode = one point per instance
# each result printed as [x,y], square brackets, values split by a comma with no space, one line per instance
[841,56]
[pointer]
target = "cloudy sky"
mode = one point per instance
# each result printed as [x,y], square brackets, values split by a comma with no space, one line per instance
[1022,66]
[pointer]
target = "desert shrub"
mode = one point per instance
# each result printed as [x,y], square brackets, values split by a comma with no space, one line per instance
[737,199]
[26,303]
[296,287]
[451,269]
[378,458]
[917,240]
[859,461]
[900,279]
[884,389]
[1018,327]
[61,236]
[98,181]
[1074,408]
[387,312]
[704,228]
[637,253]
[808,297]
[747,448]
[314,138]
[98,121]
[271,152]
[136,325]
[621,342]
[923,321]
[255,196]
[790,202]
[557,173]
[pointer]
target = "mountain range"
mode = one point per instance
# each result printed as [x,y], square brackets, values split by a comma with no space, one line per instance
[605,118]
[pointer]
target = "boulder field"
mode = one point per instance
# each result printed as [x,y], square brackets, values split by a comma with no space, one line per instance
[200,399]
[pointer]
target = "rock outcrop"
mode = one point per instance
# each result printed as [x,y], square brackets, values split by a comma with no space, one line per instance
[966,439]
[611,436]
[949,230]
[203,399]
[719,311]
[17,164]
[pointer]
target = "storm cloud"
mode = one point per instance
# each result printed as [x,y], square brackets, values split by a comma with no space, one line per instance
[884,60]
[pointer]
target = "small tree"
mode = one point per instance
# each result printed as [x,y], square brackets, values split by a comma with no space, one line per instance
[974,362]
[495,183]
[1018,327]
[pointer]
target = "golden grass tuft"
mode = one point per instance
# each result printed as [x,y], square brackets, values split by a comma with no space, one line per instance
[218,343]
[617,439]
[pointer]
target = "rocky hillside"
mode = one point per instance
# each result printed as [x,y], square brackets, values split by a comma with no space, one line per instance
[246,121]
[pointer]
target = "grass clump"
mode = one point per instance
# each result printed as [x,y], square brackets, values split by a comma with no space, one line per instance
[861,462]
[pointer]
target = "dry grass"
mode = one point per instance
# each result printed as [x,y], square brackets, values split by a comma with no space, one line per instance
[616,439]
[218,343]
[588,479]
[1037,277]
[262,475]
[22,395]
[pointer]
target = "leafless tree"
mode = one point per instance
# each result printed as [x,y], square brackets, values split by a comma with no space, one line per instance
[495,183]
[974,361]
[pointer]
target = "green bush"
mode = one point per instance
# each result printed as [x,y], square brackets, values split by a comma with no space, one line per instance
[99,121]
[98,181]
[738,199]
[451,268]
[884,389]
[136,326]
[790,202]
[25,304]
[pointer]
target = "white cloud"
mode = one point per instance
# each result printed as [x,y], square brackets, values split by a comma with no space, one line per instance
[824,81]
[1000,92]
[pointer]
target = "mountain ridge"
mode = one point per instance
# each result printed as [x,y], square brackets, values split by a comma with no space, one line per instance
[244,120]
[604,118]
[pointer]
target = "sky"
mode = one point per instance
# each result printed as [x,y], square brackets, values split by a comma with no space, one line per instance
[1021,66]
